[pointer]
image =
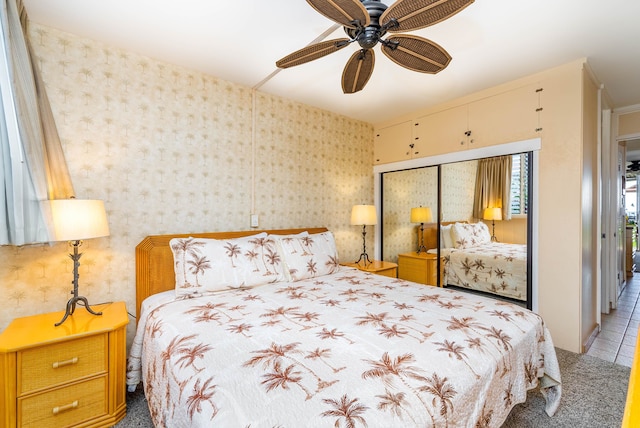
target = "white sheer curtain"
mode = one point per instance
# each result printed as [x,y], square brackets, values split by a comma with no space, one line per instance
[493,186]
[32,164]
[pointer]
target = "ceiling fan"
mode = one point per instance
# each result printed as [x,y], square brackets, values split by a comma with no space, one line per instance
[367,22]
[633,166]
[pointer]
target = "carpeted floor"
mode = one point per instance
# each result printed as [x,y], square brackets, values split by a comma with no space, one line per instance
[593,396]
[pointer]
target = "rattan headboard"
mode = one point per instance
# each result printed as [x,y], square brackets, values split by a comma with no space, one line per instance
[154,259]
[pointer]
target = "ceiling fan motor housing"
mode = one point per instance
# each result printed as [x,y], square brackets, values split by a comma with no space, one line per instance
[369,36]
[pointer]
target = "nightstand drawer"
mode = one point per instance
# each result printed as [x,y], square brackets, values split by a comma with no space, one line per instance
[413,270]
[64,406]
[55,364]
[420,268]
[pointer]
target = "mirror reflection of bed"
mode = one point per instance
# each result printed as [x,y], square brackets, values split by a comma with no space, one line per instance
[476,252]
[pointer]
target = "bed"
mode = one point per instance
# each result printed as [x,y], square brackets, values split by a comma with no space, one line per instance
[473,261]
[320,344]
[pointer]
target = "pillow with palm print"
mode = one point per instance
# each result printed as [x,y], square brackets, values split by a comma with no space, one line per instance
[207,265]
[282,272]
[310,256]
[467,235]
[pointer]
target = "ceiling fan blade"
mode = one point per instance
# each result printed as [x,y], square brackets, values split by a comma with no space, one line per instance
[415,14]
[349,13]
[358,70]
[416,53]
[309,53]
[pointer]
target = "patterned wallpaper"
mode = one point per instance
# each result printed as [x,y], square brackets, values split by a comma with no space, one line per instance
[458,189]
[404,190]
[171,150]
[407,189]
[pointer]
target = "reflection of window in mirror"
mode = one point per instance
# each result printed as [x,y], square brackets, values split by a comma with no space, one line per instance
[519,184]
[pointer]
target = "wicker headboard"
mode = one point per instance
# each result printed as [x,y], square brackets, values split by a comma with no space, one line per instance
[154,259]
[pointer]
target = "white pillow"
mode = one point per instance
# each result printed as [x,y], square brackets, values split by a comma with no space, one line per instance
[282,272]
[467,235]
[207,265]
[310,256]
[446,241]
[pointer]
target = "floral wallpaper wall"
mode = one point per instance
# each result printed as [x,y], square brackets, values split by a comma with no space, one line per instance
[404,190]
[172,150]
[459,186]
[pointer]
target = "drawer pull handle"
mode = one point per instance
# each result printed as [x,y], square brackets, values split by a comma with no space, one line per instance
[66,407]
[59,364]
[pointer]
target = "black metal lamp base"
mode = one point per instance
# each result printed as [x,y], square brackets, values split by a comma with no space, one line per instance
[493,231]
[71,304]
[421,238]
[364,256]
[71,307]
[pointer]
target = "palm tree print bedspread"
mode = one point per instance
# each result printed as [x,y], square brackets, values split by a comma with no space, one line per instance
[492,267]
[350,349]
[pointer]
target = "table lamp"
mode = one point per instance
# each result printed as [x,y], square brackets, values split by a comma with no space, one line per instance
[492,214]
[421,215]
[364,215]
[75,220]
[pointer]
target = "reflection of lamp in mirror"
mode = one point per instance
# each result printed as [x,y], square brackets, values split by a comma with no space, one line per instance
[421,215]
[73,221]
[364,215]
[492,214]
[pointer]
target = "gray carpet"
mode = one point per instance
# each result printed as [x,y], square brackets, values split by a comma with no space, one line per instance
[593,396]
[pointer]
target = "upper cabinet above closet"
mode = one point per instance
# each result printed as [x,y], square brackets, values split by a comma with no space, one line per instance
[506,117]
[395,143]
[445,131]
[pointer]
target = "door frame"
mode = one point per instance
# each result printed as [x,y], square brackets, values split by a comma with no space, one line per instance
[613,180]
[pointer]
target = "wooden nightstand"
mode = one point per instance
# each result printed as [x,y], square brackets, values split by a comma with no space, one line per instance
[420,268]
[72,375]
[377,267]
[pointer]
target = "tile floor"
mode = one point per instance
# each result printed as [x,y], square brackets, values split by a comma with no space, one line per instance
[617,340]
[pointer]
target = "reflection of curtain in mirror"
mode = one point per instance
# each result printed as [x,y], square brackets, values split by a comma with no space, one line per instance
[493,186]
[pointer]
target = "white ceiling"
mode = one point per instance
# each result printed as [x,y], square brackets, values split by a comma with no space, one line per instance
[491,42]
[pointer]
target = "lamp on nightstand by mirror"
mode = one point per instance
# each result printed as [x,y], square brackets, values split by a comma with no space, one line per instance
[492,214]
[421,215]
[75,220]
[364,215]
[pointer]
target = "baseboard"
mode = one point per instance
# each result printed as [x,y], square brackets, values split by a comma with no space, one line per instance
[590,339]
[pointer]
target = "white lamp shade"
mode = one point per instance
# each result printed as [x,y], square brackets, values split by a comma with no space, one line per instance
[77,219]
[421,215]
[492,214]
[364,215]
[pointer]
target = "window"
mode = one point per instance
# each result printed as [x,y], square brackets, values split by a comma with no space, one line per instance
[519,183]
[32,167]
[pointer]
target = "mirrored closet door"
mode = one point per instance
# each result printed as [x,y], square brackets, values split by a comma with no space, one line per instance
[420,204]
